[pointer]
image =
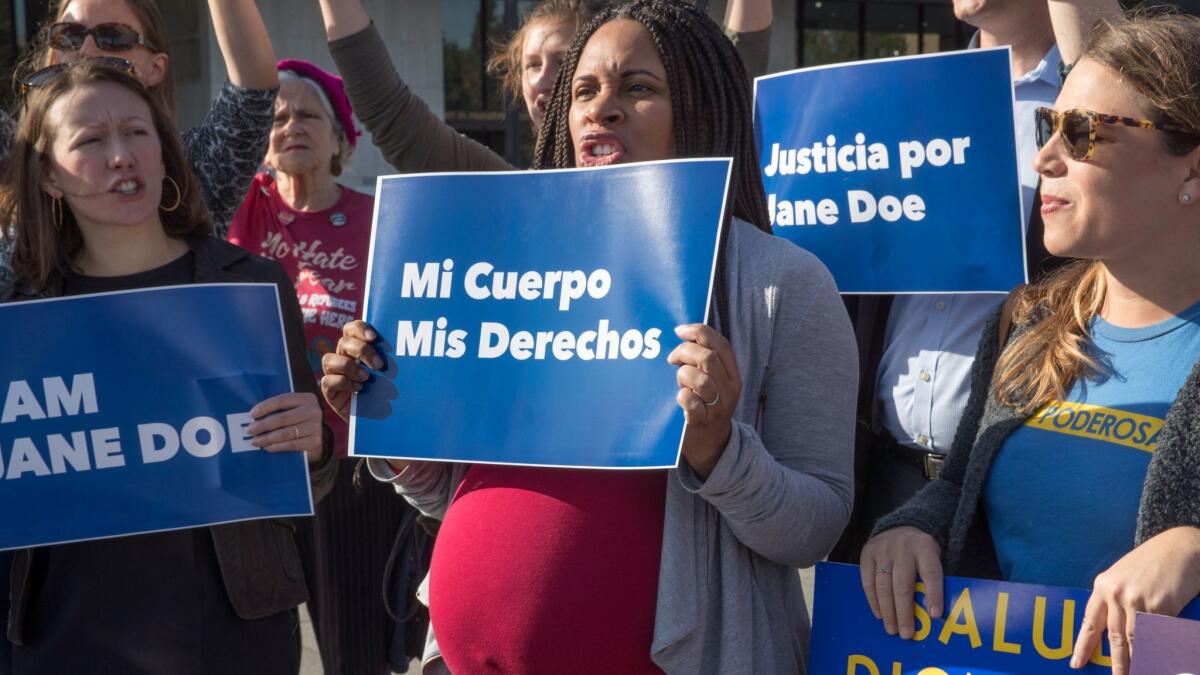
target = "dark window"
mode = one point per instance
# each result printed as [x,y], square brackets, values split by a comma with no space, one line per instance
[475,102]
[8,49]
[830,32]
[940,31]
[891,30]
[840,30]
[19,22]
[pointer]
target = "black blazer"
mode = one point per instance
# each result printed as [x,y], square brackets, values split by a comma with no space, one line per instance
[259,562]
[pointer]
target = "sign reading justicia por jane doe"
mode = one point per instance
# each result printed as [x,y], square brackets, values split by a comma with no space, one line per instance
[526,317]
[126,413]
[899,174]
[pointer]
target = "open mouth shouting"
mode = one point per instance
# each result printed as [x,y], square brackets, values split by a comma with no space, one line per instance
[128,187]
[600,150]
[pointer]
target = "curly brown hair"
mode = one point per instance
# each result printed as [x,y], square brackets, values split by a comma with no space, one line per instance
[711,106]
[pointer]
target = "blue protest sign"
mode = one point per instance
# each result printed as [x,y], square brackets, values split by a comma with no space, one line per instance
[988,628]
[526,317]
[899,174]
[126,413]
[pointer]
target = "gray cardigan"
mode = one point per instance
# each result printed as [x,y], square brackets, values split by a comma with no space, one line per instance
[729,598]
[950,508]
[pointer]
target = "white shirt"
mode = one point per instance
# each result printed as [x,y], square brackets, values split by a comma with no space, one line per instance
[924,375]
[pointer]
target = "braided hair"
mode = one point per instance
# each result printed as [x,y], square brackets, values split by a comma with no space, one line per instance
[710,106]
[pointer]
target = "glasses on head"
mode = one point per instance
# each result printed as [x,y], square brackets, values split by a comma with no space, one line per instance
[39,78]
[69,36]
[1077,129]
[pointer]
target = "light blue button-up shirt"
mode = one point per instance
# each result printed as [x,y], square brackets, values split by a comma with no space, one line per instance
[924,376]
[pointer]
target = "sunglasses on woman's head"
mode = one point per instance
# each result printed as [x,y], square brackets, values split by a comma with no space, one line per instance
[39,78]
[111,37]
[1077,129]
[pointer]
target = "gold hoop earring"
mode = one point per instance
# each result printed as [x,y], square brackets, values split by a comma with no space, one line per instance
[178,197]
[56,213]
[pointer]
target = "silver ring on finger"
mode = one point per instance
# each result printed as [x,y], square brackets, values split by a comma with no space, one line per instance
[709,404]
[296,431]
[882,570]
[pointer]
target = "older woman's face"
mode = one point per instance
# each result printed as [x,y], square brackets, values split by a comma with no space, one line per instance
[150,67]
[546,44]
[620,101]
[303,140]
[1126,196]
[105,158]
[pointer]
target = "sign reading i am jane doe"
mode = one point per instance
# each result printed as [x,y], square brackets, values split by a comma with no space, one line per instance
[526,317]
[899,174]
[988,628]
[126,412]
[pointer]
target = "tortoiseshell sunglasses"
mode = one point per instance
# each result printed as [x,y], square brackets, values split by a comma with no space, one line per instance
[1077,129]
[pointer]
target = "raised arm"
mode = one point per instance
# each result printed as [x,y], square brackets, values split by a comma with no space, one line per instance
[226,148]
[242,35]
[748,25]
[343,18]
[1073,20]
[410,136]
[748,16]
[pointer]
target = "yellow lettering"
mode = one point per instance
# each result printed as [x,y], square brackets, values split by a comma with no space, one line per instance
[857,660]
[999,644]
[1098,656]
[1039,630]
[1110,425]
[931,671]
[962,621]
[924,625]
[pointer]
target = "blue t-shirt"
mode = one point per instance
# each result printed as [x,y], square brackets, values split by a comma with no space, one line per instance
[1063,493]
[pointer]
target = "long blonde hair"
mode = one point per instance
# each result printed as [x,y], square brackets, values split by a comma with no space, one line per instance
[1154,52]
[1040,364]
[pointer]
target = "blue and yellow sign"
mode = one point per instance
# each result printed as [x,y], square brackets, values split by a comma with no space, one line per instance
[988,628]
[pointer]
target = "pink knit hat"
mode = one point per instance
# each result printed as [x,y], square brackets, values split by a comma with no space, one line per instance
[334,90]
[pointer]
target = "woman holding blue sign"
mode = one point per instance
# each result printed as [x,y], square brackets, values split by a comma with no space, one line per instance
[689,570]
[103,200]
[1077,461]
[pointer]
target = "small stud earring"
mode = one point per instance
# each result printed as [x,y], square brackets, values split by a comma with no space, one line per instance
[1185,198]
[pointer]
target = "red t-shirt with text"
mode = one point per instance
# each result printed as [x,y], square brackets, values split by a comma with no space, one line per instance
[324,253]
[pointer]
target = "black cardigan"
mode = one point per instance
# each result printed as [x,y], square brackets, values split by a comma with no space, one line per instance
[950,509]
[259,562]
